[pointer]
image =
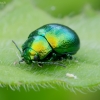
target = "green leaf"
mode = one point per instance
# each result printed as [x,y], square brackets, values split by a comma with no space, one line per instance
[18,20]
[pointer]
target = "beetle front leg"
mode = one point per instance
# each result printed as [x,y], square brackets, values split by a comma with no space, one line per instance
[40,64]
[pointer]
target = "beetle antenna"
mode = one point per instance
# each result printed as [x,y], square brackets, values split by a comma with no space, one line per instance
[54,63]
[17,47]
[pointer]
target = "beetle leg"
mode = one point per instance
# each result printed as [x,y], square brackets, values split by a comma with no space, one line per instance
[69,57]
[66,56]
[53,57]
[55,63]
[40,64]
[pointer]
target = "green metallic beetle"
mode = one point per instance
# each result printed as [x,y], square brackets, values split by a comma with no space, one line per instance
[49,43]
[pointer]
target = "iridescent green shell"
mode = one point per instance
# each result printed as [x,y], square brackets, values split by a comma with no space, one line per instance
[50,38]
[61,38]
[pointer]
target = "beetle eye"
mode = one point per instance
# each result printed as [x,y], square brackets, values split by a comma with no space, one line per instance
[36,58]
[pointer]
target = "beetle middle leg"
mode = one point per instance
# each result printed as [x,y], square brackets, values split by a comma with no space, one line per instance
[52,57]
[67,56]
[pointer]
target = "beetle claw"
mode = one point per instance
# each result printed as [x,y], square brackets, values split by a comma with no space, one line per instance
[40,65]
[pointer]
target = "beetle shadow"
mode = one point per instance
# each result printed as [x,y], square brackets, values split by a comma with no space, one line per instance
[36,68]
[59,65]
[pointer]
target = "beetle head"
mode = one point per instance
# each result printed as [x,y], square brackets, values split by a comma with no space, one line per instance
[29,55]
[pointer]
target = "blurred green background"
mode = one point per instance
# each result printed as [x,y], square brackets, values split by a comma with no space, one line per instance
[66,7]
[46,94]
[57,9]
